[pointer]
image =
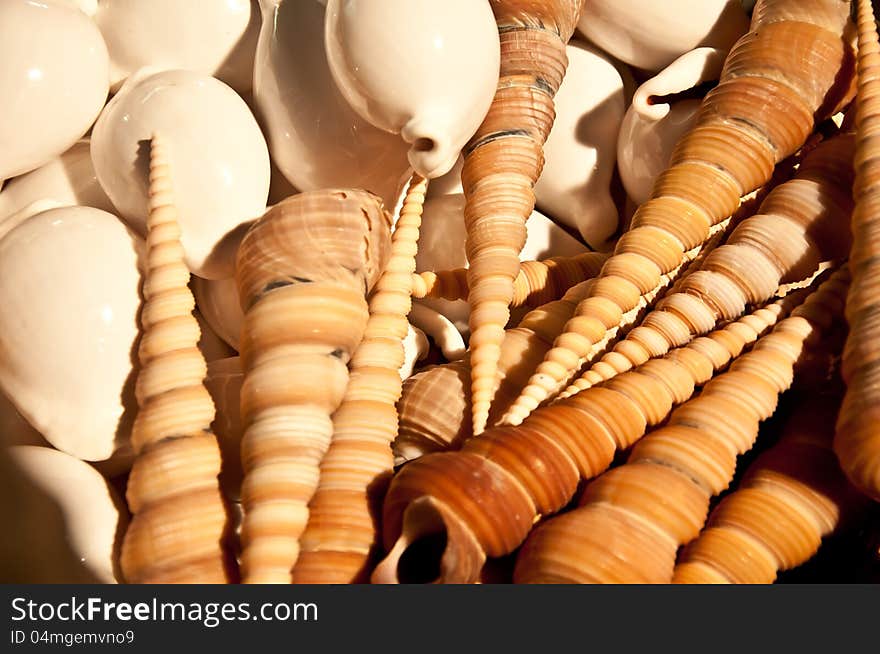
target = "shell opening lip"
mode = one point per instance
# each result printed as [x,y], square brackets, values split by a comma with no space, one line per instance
[417,555]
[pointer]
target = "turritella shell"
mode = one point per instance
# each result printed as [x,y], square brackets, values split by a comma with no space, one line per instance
[315,254]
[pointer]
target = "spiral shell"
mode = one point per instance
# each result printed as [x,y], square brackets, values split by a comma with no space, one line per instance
[633,519]
[534,469]
[857,443]
[762,111]
[791,497]
[502,163]
[341,537]
[180,527]
[303,270]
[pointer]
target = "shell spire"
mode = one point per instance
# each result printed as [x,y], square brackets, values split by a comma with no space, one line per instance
[761,112]
[303,271]
[502,162]
[180,530]
[341,536]
[857,442]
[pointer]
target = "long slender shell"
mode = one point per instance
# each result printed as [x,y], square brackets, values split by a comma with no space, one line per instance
[858,430]
[544,459]
[303,270]
[342,533]
[180,529]
[794,66]
[633,518]
[502,163]
[800,224]
[537,283]
[791,497]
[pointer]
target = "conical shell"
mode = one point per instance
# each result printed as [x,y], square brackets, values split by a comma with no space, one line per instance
[502,162]
[180,529]
[575,439]
[342,534]
[665,487]
[303,270]
[795,66]
[857,443]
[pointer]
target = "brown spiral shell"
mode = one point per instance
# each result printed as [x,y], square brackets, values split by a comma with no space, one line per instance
[302,270]
[534,469]
[633,518]
[790,498]
[180,529]
[502,162]
[857,443]
[341,535]
[793,68]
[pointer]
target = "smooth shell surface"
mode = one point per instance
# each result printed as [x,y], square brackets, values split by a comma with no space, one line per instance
[218,155]
[70,518]
[425,70]
[218,302]
[317,140]
[69,179]
[69,287]
[650,35]
[53,82]
[579,154]
[207,36]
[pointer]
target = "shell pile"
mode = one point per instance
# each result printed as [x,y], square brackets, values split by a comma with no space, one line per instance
[508,292]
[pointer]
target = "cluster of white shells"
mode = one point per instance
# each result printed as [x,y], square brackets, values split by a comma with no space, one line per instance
[256,100]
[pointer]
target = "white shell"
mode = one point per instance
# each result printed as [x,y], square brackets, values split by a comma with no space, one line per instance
[317,140]
[68,179]
[53,81]
[579,156]
[210,344]
[415,347]
[14,429]
[69,519]
[651,35]
[218,158]
[215,37]
[218,303]
[652,128]
[69,288]
[425,70]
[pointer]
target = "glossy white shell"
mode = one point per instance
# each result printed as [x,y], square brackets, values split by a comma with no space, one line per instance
[425,70]
[651,127]
[316,139]
[218,158]
[218,303]
[69,519]
[580,152]
[650,34]
[53,81]
[215,37]
[69,288]
[68,179]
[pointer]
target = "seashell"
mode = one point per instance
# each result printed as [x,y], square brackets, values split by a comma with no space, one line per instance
[443,247]
[579,155]
[433,87]
[218,154]
[67,311]
[218,302]
[778,245]
[857,443]
[415,348]
[656,120]
[66,518]
[753,119]
[502,162]
[210,344]
[790,498]
[666,485]
[651,36]
[575,439]
[441,330]
[341,538]
[180,527]
[214,38]
[68,179]
[316,139]
[315,254]
[223,381]
[54,82]
[14,429]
